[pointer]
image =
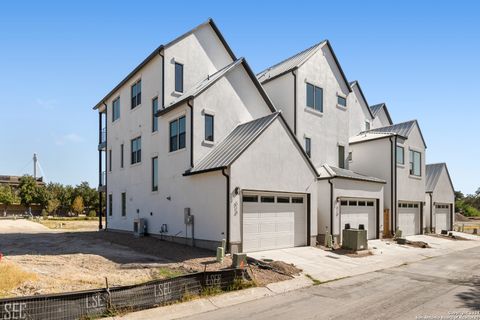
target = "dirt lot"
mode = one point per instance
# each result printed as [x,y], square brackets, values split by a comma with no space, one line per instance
[64,260]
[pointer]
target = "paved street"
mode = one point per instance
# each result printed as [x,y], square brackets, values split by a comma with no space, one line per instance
[439,286]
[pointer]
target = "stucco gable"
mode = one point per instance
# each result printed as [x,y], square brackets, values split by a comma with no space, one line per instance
[357,90]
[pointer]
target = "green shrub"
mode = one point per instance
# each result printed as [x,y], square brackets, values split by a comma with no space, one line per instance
[466,209]
[44,214]
[92,214]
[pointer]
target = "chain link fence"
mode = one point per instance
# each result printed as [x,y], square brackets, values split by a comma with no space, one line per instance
[109,301]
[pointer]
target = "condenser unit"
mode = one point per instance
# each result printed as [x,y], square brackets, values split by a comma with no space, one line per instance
[139,227]
[354,239]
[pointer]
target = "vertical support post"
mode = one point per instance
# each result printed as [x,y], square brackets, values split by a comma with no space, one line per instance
[100,206]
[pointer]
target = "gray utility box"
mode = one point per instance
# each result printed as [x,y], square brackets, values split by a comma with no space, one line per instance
[354,239]
[139,227]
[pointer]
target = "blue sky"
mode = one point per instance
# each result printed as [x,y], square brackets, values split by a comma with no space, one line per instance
[57,59]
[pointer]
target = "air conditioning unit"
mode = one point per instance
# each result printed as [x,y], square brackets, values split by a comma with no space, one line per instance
[354,239]
[139,227]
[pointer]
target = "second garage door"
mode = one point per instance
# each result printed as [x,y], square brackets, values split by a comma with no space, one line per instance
[356,212]
[409,218]
[273,221]
[442,211]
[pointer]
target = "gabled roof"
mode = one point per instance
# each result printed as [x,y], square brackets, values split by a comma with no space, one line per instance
[162,47]
[376,109]
[295,61]
[233,145]
[212,79]
[335,172]
[433,172]
[403,129]
[369,136]
[356,84]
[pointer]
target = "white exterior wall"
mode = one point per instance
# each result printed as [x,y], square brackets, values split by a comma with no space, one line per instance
[272,163]
[329,129]
[281,92]
[381,119]
[358,112]
[442,194]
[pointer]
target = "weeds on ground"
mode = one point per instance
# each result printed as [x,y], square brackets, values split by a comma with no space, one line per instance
[240,284]
[316,282]
[12,276]
[167,273]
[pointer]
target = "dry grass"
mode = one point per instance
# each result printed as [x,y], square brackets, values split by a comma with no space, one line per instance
[70,225]
[12,276]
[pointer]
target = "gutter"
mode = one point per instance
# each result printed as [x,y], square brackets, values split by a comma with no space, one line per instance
[190,104]
[392,202]
[161,53]
[396,184]
[227,232]
[294,102]
[331,206]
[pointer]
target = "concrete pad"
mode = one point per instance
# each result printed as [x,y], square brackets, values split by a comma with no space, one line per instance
[290,285]
[236,297]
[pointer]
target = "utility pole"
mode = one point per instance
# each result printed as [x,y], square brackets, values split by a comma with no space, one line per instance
[35,166]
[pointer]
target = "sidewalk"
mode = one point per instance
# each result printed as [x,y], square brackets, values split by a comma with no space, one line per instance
[321,265]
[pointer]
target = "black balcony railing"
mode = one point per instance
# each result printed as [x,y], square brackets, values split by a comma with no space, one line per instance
[103,135]
[103,179]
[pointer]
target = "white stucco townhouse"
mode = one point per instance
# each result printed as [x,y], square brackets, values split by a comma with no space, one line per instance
[313,93]
[440,198]
[192,145]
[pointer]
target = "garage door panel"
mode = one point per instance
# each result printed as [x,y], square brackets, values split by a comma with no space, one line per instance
[409,219]
[273,225]
[442,217]
[355,214]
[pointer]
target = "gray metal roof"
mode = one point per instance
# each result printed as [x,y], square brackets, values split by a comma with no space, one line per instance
[402,129]
[375,109]
[160,48]
[288,64]
[433,172]
[230,148]
[348,174]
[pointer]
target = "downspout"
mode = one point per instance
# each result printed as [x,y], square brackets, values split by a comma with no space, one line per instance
[396,184]
[106,147]
[294,102]
[100,227]
[392,201]
[331,207]
[227,232]
[161,53]
[190,104]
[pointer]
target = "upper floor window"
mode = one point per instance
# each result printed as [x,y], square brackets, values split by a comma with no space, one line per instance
[136,147]
[136,93]
[154,111]
[342,101]
[367,125]
[154,173]
[177,134]
[178,77]
[124,204]
[110,160]
[209,127]
[415,163]
[116,109]
[314,97]
[110,204]
[400,155]
[121,155]
[308,146]
[341,157]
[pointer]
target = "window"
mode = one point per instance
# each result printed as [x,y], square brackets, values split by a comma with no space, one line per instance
[283,200]
[341,157]
[177,134]
[415,162]
[367,125]
[110,160]
[209,127]
[121,155]
[124,204]
[314,97]
[110,204]
[308,147]
[369,203]
[267,199]
[344,203]
[400,155]
[297,200]
[342,101]
[136,94]
[178,77]
[136,147]
[362,203]
[155,174]
[154,111]
[116,109]
[352,203]
[350,156]
[247,198]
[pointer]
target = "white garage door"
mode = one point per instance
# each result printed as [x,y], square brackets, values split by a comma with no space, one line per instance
[409,218]
[356,212]
[273,221]
[442,212]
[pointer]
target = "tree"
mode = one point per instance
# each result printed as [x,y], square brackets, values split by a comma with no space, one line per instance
[42,196]
[27,190]
[66,197]
[53,205]
[77,205]
[89,195]
[459,195]
[7,197]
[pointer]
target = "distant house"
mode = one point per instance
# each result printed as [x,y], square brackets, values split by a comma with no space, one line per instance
[17,209]
[440,198]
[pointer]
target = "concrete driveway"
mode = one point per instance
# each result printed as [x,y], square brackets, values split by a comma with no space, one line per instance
[326,265]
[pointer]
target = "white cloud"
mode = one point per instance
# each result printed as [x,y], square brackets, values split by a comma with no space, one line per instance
[68,138]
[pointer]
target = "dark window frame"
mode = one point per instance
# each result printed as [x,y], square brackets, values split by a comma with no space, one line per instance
[136,94]
[341,157]
[344,101]
[136,150]
[412,163]
[154,111]
[308,146]
[116,109]
[267,199]
[209,136]
[283,199]
[403,155]
[110,204]
[110,160]
[122,147]
[154,174]
[250,198]
[179,84]
[177,141]
[314,102]
[124,204]
[297,199]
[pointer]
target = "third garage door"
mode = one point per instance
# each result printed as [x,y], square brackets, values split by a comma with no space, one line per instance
[409,218]
[442,212]
[356,212]
[273,221]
